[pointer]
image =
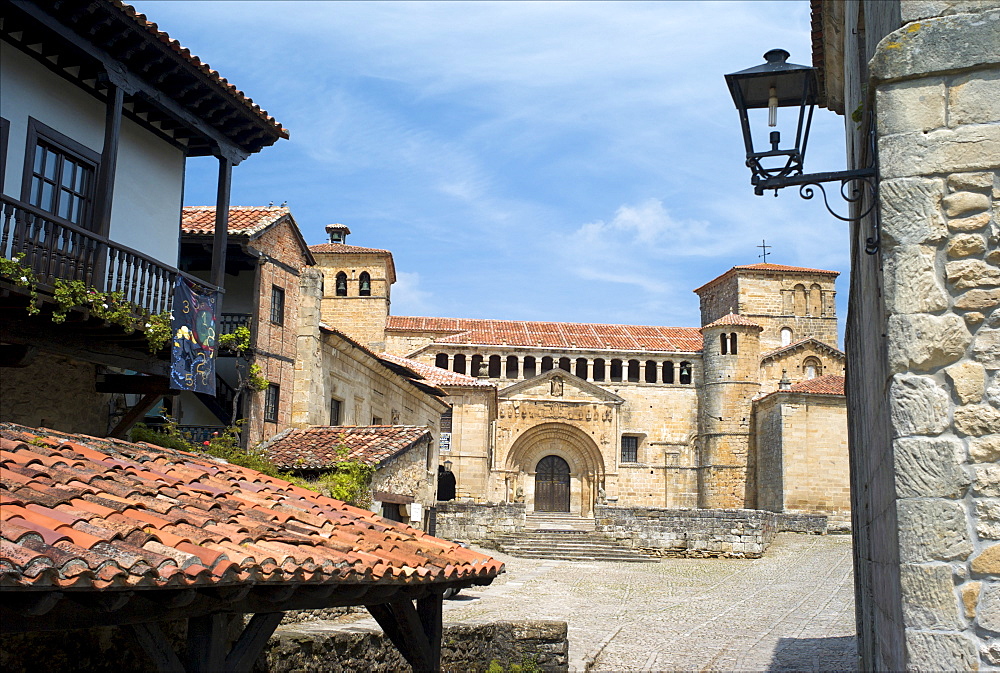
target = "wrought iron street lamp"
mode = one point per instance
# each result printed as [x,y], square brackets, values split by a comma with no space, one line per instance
[777,84]
[447,466]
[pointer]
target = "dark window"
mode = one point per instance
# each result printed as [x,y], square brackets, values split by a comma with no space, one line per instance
[616,370]
[494,367]
[365,284]
[511,368]
[564,364]
[633,371]
[630,449]
[446,419]
[581,368]
[441,360]
[476,365]
[376,420]
[335,411]
[546,364]
[341,284]
[599,369]
[732,343]
[685,374]
[277,305]
[60,175]
[668,372]
[458,363]
[724,339]
[272,395]
[529,367]
[651,371]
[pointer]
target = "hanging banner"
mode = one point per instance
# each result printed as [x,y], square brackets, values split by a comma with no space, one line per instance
[192,355]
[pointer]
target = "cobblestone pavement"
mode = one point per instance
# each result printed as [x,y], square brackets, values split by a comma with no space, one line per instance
[791,610]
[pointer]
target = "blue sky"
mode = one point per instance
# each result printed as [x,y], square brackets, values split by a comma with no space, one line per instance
[576,162]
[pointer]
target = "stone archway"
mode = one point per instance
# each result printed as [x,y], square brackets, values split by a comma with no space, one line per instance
[586,465]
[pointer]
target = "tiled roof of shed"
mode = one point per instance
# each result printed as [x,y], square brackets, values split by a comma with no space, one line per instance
[733,319]
[437,376]
[829,384]
[553,334]
[80,512]
[320,446]
[243,220]
[220,81]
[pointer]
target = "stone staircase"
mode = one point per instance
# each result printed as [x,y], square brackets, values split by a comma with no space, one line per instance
[565,537]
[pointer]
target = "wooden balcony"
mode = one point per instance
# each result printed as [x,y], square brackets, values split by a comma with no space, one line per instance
[55,248]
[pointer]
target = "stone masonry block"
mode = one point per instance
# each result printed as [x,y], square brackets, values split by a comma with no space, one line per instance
[932,530]
[924,342]
[985,449]
[973,223]
[978,300]
[966,148]
[930,651]
[988,518]
[986,348]
[911,210]
[958,182]
[929,599]
[987,562]
[968,381]
[988,614]
[929,467]
[963,204]
[912,282]
[913,10]
[917,406]
[977,420]
[938,44]
[965,245]
[972,273]
[987,480]
[974,99]
[911,106]
[970,597]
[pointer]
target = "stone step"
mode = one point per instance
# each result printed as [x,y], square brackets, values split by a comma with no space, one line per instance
[567,545]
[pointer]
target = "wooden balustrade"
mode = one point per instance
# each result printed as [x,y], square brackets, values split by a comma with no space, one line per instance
[55,248]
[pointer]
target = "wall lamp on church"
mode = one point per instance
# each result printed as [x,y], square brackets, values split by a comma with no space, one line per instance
[779,84]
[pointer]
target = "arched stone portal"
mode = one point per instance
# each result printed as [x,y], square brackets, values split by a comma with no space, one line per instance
[572,445]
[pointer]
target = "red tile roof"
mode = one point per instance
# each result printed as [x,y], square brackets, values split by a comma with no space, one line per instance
[243,220]
[80,512]
[767,267]
[836,352]
[323,446]
[219,81]
[344,249]
[437,376]
[829,384]
[552,334]
[733,319]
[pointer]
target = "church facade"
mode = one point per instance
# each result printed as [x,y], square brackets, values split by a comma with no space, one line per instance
[563,416]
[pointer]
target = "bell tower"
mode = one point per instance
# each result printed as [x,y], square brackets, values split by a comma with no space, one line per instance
[356,286]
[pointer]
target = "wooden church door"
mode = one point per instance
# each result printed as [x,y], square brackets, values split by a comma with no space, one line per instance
[552,485]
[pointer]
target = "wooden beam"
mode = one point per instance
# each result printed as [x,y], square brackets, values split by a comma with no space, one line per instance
[252,642]
[221,238]
[405,628]
[207,642]
[133,385]
[430,609]
[133,415]
[157,648]
[106,175]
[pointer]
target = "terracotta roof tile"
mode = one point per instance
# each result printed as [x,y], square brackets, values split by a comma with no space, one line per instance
[767,267]
[323,446]
[344,249]
[437,376]
[223,524]
[552,334]
[243,220]
[829,384]
[733,319]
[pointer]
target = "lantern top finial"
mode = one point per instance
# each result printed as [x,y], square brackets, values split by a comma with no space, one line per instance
[776,56]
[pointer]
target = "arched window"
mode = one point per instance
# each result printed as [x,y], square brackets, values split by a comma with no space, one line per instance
[685,374]
[799,299]
[633,371]
[365,284]
[494,370]
[581,368]
[564,364]
[668,372]
[724,343]
[815,300]
[441,360]
[341,284]
[732,343]
[811,368]
[651,371]
[786,336]
[546,364]
[530,367]
[616,370]
[511,369]
[599,369]
[458,363]
[475,369]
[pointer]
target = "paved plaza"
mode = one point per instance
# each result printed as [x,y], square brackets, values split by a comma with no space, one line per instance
[791,610]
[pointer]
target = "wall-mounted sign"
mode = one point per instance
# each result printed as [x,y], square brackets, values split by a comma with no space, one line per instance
[192,354]
[444,442]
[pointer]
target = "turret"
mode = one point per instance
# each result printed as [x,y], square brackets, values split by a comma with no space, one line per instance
[731,371]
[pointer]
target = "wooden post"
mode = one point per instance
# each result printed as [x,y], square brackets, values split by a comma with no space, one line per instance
[221,226]
[104,197]
[430,609]
[208,643]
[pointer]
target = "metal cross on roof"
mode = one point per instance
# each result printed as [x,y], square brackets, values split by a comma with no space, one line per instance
[764,246]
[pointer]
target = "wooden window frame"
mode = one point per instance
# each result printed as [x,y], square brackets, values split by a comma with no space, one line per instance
[4,139]
[277,305]
[272,402]
[37,131]
[336,411]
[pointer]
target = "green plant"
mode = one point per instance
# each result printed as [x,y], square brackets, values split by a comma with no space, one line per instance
[494,667]
[238,340]
[158,331]
[22,276]
[256,379]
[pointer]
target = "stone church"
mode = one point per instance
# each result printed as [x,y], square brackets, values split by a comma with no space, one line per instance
[745,411]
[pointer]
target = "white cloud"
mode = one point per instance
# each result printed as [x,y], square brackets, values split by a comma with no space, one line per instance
[407,297]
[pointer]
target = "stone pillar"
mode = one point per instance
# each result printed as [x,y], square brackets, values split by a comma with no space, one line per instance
[590,369]
[938,101]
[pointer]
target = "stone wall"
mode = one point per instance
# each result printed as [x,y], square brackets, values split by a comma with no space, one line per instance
[472,521]
[26,396]
[322,647]
[731,533]
[409,473]
[938,121]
